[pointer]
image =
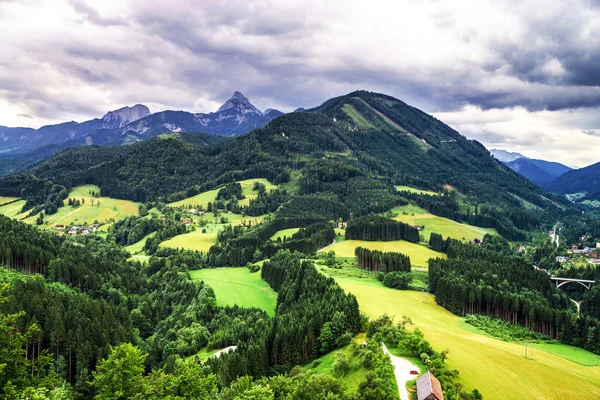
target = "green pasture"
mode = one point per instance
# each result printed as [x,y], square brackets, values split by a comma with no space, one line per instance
[497,369]
[284,233]
[238,286]
[415,215]
[401,188]
[104,209]
[418,254]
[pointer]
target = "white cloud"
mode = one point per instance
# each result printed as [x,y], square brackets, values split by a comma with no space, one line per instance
[76,59]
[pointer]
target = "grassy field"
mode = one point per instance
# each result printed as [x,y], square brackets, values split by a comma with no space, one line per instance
[13,210]
[571,353]
[4,200]
[418,254]
[195,240]
[201,199]
[138,247]
[444,226]
[204,198]
[284,233]
[238,286]
[252,194]
[498,369]
[203,354]
[415,190]
[109,209]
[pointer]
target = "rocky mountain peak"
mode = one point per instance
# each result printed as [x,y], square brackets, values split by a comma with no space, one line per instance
[125,115]
[239,102]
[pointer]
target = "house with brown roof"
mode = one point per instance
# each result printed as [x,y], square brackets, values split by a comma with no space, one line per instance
[429,388]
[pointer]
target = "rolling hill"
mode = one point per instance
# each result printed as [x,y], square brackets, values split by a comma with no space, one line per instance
[345,155]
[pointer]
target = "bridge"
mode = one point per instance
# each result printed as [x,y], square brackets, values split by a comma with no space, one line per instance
[563,281]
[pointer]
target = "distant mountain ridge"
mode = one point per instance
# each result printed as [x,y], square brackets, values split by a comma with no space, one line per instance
[132,124]
[505,156]
[584,180]
[540,172]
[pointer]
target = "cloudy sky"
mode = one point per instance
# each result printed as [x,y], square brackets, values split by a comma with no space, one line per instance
[518,75]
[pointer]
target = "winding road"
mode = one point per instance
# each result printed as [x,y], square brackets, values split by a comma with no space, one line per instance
[402,368]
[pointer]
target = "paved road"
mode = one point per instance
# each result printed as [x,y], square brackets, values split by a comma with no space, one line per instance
[402,368]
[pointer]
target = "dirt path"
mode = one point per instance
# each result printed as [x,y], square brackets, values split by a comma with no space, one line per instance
[402,368]
[225,350]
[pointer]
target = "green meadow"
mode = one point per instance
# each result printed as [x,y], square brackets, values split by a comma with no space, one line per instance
[284,233]
[415,215]
[210,196]
[138,247]
[238,286]
[104,209]
[4,200]
[195,240]
[410,189]
[497,369]
[418,254]
[247,186]
[13,210]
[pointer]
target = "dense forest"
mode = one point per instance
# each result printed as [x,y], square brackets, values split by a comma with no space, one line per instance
[86,297]
[379,228]
[378,261]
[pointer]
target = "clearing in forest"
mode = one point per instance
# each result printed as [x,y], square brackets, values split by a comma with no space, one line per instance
[411,189]
[415,215]
[238,286]
[210,196]
[284,233]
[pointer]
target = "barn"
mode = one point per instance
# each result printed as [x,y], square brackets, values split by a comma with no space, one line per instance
[429,388]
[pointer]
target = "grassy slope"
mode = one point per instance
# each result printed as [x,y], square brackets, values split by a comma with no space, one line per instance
[252,194]
[196,240]
[401,188]
[201,199]
[238,286]
[204,198]
[284,233]
[418,254]
[109,209]
[444,226]
[13,210]
[498,369]
[138,247]
[4,200]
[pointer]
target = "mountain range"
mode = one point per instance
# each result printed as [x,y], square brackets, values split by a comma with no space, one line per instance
[540,172]
[131,124]
[340,158]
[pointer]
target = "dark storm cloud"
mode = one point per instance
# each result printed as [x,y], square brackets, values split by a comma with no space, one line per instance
[287,54]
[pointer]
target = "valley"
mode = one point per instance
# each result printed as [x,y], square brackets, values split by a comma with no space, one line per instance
[200,244]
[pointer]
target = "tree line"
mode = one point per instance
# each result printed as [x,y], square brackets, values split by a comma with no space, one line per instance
[378,261]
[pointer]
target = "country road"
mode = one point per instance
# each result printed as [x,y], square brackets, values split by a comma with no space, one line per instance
[402,368]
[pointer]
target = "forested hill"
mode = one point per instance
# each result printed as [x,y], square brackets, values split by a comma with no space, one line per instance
[585,180]
[352,148]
